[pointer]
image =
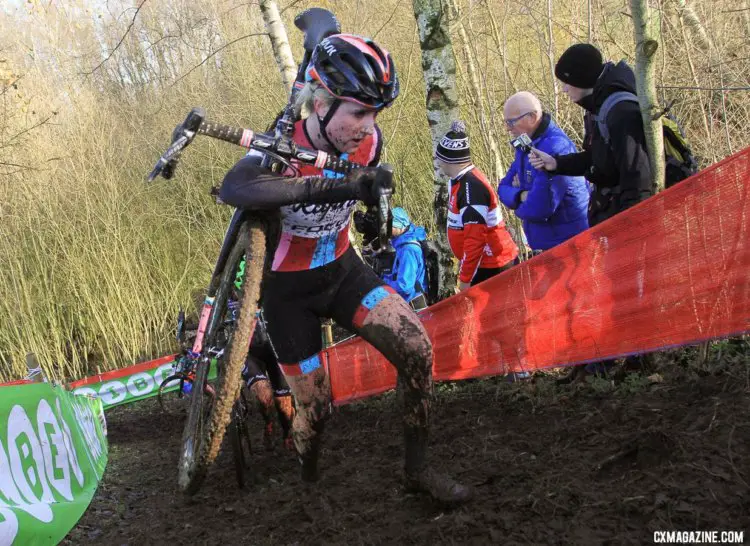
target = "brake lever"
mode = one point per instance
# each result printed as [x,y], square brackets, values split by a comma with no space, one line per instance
[182,135]
[168,162]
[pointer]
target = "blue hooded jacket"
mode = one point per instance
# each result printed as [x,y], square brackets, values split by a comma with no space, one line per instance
[408,267]
[556,206]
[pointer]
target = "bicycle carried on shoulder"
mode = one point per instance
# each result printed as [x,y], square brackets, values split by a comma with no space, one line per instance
[228,315]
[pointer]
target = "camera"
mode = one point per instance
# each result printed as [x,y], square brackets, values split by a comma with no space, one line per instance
[522,142]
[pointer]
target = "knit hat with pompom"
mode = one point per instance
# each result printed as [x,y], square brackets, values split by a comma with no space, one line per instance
[454,146]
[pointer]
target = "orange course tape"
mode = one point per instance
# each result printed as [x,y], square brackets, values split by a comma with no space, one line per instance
[671,271]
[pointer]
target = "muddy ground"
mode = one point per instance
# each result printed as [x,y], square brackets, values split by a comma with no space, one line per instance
[590,463]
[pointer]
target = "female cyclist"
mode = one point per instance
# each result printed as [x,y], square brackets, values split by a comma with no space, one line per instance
[315,273]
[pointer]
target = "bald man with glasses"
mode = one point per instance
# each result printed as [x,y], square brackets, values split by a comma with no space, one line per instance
[553,207]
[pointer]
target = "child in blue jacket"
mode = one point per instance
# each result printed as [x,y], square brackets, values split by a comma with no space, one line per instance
[408,275]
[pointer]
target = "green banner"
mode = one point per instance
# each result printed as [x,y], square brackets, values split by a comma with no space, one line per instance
[53,451]
[124,388]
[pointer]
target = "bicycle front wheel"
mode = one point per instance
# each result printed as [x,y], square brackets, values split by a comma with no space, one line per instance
[241,284]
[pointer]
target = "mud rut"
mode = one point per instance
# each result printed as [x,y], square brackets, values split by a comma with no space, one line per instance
[551,465]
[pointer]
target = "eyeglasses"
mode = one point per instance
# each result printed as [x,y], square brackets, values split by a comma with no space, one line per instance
[512,121]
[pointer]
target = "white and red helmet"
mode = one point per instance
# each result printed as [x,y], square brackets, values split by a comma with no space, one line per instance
[355,69]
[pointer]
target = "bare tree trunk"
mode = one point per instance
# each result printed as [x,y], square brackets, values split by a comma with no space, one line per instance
[696,82]
[279,42]
[694,24]
[746,16]
[488,134]
[500,44]
[439,69]
[646,29]
[551,55]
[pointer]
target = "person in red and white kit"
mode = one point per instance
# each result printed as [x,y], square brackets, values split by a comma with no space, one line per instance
[476,230]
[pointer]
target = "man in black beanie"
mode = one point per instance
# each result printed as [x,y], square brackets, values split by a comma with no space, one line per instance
[616,162]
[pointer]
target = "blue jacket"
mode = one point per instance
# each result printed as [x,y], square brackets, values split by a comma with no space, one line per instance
[408,276]
[556,206]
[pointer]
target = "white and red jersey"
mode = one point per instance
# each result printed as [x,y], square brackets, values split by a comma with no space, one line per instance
[313,234]
[476,230]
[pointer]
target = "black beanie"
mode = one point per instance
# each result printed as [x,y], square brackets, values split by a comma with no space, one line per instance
[580,66]
[454,146]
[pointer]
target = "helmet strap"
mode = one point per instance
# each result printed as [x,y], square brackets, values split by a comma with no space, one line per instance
[325,120]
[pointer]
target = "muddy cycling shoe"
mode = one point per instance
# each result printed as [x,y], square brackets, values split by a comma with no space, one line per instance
[440,487]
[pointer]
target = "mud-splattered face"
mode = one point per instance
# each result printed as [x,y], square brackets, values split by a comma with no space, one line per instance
[350,125]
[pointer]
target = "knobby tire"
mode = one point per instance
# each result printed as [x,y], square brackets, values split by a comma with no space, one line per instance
[200,406]
[235,439]
[251,242]
[239,434]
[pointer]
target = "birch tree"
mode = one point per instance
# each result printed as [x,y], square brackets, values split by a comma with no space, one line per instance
[439,69]
[279,42]
[488,133]
[646,28]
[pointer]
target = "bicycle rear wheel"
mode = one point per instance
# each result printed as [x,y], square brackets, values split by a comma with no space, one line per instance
[239,437]
[198,412]
[205,440]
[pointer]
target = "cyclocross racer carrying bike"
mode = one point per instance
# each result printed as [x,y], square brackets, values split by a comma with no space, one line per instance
[315,273]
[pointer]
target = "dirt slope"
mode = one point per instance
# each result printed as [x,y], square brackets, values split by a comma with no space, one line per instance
[582,464]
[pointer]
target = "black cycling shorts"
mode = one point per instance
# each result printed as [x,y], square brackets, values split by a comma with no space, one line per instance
[261,363]
[295,301]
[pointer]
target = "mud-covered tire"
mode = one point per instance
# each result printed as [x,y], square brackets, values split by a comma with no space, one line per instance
[235,440]
[239,437]
[251,242]
[190,475]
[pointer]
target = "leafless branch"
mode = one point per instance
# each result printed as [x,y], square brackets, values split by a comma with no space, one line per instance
[122,39]
[393,13]
[11,84]
[23,167]
[240,6]
[294,3]
[696,88]
[28,129]
[185,75]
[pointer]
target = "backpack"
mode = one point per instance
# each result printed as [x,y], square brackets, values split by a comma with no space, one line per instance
[680,161]
[433,270]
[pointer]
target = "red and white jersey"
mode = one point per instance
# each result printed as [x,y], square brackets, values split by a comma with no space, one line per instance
[476,230]
[315,234]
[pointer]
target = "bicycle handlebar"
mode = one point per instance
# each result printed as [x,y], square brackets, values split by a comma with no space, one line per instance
[282,146]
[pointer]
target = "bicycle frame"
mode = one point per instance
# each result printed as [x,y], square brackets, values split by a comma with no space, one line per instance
[238,217]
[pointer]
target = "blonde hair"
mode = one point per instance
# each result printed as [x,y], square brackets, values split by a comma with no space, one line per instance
[304,105]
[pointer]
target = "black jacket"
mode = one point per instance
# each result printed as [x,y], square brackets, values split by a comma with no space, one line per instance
[620,170]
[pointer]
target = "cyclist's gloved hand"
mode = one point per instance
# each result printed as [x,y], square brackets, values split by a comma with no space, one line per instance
[366,185]
[369,183]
